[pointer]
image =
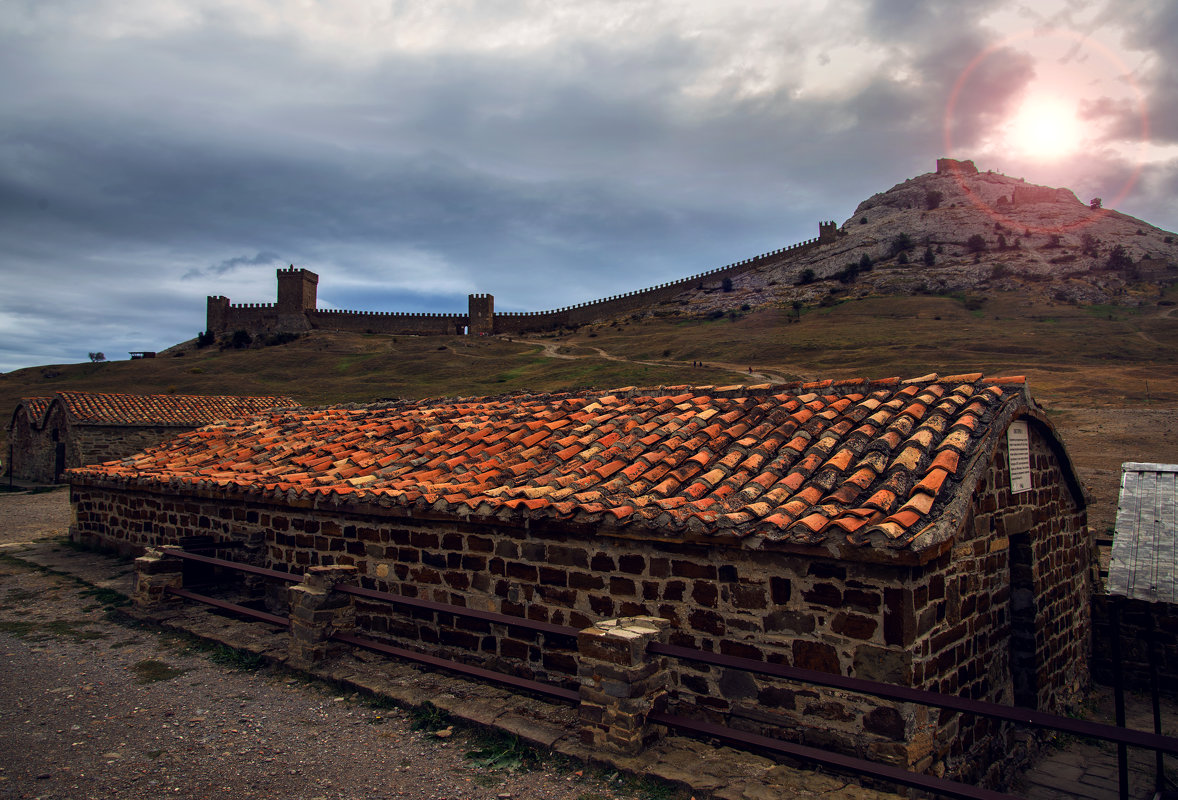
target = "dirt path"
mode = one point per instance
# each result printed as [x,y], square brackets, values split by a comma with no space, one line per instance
[552,350]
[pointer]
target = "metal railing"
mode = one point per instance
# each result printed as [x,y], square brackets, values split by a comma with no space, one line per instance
[1020,716]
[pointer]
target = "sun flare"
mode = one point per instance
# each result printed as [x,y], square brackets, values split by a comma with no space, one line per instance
[1044,129]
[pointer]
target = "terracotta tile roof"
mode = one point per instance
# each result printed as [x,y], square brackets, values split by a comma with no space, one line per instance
[851,463]
[34,408]
[165,410]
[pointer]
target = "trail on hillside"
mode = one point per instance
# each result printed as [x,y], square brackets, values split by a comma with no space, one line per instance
[552,350]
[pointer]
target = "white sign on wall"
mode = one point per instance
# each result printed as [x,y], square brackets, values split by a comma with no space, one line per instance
[1018,448]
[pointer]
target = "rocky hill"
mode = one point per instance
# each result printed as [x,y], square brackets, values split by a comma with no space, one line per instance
[963,231]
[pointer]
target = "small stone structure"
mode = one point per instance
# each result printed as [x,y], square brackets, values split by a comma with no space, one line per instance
[51,434]
[1142,580]
[295,310]
[928,533]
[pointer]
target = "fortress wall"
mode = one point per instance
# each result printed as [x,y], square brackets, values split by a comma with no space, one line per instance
[616,305]
[393,322]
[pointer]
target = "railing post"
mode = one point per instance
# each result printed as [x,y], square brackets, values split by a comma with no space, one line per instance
[621,682]
[155,572]
[317,611]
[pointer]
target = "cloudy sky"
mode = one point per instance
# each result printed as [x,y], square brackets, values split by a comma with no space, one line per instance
[153,152]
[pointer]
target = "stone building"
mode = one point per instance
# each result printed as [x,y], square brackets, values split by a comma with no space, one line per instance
[48,435]
[928,533]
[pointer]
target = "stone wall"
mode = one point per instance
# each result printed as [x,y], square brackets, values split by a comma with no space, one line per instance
[299,287]
[388,322]
[943,625]
[32,453]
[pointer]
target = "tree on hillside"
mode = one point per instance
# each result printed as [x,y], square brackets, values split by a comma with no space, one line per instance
[807,276]
[929,258]
[975,244]
[726,284]
[902,243]
[96,357]
[932,199]
[1096,203]
[865,263]
[1090,245]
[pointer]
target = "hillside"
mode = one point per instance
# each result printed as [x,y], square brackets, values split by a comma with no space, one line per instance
[1035,240]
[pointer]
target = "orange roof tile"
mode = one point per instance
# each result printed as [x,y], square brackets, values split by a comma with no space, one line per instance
[804,468]
[160,410]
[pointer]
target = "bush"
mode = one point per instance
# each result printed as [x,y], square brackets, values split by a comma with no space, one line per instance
[1119,259]
[96,357]
[929,258]
[902,243]
[999,271]
[240,340]
[205,338]
[806,277]
[975,244]
[932,199]
[902,258]
[863,221]
[726,284]
[1089,245]
[865,263]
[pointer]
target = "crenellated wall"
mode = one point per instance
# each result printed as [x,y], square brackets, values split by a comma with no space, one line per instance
[296,309]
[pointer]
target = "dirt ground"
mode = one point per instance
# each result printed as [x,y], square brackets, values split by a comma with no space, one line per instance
[25,517]
[1099,440]
[94,708]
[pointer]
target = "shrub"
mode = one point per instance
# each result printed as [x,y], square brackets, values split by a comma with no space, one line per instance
[863,221]
[205,338]
[1118,259]
[932,199]
[903,242]
[999,271]
[240,340]
[865,263]
[929,258]
[1089,245]
[96,357]
[975,244]
[902,258]
[726,284]
[806,277]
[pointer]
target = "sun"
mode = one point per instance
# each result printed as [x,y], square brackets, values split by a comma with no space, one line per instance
[1045,129]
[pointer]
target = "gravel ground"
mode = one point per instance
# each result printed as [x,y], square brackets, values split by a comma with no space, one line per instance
[94,708]
[25,517]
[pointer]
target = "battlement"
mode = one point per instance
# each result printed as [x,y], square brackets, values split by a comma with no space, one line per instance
[295,309]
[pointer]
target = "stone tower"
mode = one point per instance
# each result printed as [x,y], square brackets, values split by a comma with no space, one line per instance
[481,309]
[296,290]
[827,232]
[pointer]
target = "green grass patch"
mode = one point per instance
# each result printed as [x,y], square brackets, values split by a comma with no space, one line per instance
[226,656]
[152,671]
[501,751]
[35,631]
[428,717]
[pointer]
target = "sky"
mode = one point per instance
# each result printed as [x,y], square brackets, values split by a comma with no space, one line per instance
[549,152]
